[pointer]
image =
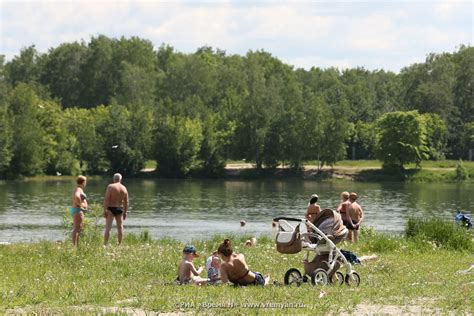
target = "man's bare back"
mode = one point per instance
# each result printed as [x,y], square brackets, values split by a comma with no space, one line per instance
[187,271]
[116,196]
[355,212]
[115,207]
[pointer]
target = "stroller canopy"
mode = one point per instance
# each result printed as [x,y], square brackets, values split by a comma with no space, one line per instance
[330,223]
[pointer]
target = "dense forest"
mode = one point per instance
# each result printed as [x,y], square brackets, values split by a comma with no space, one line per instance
[111,104]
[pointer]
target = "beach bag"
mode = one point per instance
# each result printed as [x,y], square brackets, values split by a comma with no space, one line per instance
[289,242]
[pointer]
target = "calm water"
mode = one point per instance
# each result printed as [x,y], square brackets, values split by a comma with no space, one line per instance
[187,209]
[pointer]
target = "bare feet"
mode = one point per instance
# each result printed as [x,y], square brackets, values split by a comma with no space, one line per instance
[267,279]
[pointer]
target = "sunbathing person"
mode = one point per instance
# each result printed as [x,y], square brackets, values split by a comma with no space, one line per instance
[187,273]
[234,268]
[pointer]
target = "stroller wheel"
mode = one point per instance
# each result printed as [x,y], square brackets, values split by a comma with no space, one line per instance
[354,280]
[337,278]
[293,277]
[319,277]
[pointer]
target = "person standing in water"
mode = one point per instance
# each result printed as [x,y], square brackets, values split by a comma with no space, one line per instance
[79,206]
[115,207]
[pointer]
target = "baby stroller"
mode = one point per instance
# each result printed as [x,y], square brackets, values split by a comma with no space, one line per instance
[320,237]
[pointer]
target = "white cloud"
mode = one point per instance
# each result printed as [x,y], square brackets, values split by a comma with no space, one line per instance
[303,33]
[287,22]
[307,62]
[448,9]
[372,33]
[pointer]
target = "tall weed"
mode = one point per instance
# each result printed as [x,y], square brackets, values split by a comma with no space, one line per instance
[91,230]
[442,233]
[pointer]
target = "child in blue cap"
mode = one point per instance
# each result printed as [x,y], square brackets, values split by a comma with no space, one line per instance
[187,273]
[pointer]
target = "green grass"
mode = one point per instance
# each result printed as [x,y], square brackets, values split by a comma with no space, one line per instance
[150,164]
[48,277]
[359,163]
[441,233]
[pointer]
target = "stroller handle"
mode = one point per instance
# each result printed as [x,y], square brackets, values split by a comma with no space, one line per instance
[276,219]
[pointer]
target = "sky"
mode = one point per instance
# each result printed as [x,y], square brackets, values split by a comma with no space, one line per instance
[372,34]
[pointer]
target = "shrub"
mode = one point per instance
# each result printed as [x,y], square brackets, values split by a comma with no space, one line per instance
[461,172]
[442,233]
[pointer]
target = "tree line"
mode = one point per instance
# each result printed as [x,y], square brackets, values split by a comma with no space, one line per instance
[111,104]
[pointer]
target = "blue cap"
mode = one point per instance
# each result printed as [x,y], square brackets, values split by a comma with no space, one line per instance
[190,249]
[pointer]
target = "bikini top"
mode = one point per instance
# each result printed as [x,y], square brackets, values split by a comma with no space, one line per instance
[83,196]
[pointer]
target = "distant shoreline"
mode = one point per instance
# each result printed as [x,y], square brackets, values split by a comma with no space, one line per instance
[358,170]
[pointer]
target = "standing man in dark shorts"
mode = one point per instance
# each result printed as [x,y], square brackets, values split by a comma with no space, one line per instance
[357,215]
[115,207]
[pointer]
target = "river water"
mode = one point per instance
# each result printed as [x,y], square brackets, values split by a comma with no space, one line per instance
[188,209]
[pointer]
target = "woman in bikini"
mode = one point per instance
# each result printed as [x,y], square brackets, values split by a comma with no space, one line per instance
[79,206]
[234,268]
[313,208]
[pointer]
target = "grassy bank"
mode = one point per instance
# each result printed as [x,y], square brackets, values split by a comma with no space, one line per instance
[360,170]
[411,274]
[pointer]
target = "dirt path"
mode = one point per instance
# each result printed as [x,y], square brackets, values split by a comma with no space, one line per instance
[418,308]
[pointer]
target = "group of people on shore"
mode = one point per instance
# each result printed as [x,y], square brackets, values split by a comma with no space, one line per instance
[115,207]
[225,266]
[351,213]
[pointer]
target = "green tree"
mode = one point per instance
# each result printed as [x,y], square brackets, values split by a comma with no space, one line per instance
[401,139]
[362,143]
[62,72]
[292,123]
[135,70]
[87,140]
[28,146]
[126,137]
[360,94]
[263,100]
[56,139]
[428,87]
[217,136]
[97,75]
[24,68]
[463,101]
[336,126]
[178,141]
[435,135]
[6,135]
[387,92]
[467,139]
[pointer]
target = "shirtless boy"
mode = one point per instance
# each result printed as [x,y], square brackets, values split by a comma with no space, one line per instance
[115,207]
[187,273]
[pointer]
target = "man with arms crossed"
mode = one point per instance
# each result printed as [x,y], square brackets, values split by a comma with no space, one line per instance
[115,206]
[357,215]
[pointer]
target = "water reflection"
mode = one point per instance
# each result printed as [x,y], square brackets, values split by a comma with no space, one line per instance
[187,209]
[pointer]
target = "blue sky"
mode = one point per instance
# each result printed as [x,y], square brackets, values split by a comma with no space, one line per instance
[372,34]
